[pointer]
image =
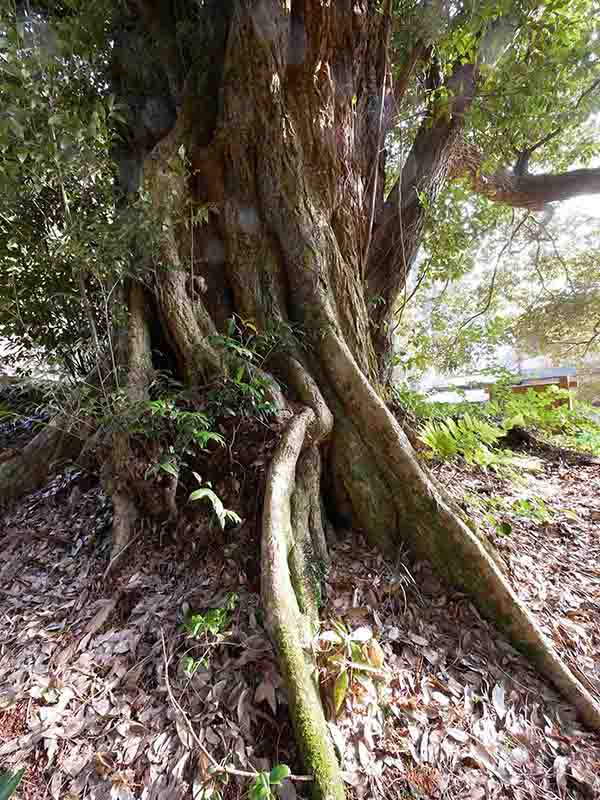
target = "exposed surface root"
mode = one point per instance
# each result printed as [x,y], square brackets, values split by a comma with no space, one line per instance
[288,595]
[435,531]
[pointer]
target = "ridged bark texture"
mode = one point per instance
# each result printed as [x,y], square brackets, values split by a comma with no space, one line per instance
[283,131]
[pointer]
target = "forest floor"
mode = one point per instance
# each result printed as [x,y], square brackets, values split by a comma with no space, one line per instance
[104,692]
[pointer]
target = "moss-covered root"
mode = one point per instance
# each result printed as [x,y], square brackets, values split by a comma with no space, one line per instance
[291,630]
[428,524]
[460,555]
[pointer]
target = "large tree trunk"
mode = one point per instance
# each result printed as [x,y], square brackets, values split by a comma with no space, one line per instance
[283,139]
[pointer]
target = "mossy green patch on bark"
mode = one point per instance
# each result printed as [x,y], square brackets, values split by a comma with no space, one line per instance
[308,720]
[305,585]
[451,557]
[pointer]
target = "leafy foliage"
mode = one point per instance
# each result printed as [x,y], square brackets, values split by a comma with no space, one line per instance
[472,438]
[448,438]
[501,513]
[9,783]
[564,319]
[349,660]
[528,286]
[473,431]
[246,390]
[209,628]
[57,221]
[549,413]
[215,621]
[262,786]
[205,492]
[190,430]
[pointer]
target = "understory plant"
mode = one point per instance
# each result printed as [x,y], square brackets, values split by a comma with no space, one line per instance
[474,431]
[205,492]
[350,662]
[500,512]
[262,786]
[245,389]
[206,629]
[467,436]
[187,430]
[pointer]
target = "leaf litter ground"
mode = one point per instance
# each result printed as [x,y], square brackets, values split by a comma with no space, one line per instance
[98,699]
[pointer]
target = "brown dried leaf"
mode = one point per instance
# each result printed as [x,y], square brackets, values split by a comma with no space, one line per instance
[104,764]
[266,691]
[375,654]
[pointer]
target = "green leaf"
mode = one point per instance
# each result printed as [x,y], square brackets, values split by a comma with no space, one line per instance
[261,789]
[190,665]
[9,782]
[279,773]
[169,466]
[340,690]
[17,128]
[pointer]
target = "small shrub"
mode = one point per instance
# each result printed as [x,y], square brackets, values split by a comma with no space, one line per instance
[473,431]
[246,390]
[262,786]
[533,508]
[209,627]
[223,515]
[469,437]
[215,621]
[539,411]
[349,661]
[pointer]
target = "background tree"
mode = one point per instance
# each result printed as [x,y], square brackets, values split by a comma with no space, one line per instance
[252,167]
[524,287]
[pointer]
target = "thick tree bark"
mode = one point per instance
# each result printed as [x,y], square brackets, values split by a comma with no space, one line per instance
[138,365]
[399,227]
[283,139]
[525,190]
[536,191]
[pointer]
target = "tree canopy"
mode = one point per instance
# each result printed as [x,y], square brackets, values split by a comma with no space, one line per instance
[525,75]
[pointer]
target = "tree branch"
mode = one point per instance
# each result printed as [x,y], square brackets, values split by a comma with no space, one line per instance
[533,192]
[420,52]
[398,232]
